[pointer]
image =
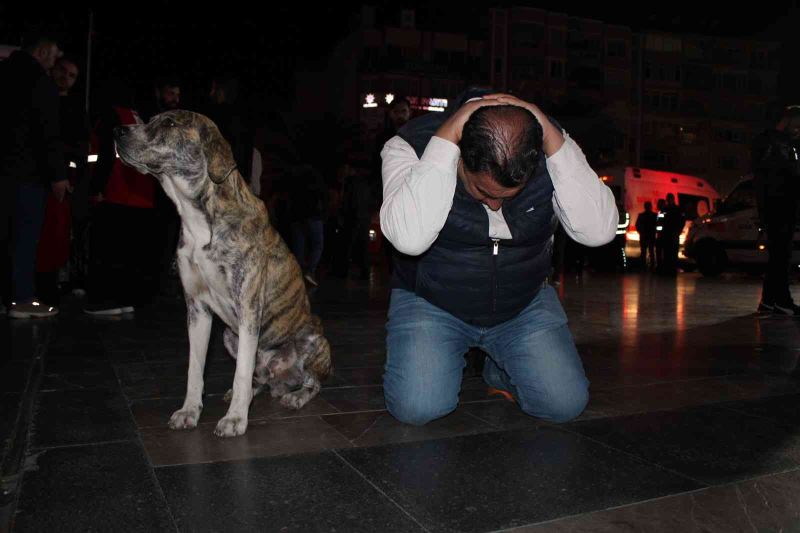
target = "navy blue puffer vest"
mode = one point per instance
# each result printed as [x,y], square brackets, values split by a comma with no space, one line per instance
[481,281]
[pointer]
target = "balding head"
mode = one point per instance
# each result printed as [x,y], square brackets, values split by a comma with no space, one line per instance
[504,141]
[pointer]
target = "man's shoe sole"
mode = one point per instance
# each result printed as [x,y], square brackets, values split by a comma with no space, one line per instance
[20,314]
[784,311]
[104,312]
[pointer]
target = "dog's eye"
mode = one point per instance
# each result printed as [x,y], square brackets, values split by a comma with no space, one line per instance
[170,123]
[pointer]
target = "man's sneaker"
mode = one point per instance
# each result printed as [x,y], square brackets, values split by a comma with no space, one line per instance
[33,309]
[500,392]
[765,308]
[311,281]
[102,310]
[789,309]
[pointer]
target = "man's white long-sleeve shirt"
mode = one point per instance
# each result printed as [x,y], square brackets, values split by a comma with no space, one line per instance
[418,194]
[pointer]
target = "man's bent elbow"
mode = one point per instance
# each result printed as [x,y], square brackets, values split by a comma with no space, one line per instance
[594,238]
[409,247]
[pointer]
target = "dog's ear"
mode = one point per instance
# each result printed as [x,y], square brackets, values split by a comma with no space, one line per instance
[219,157]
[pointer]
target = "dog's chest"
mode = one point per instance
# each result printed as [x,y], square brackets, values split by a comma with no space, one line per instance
[204,279]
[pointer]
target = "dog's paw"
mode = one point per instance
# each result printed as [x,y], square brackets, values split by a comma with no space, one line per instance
[296,400]
[184,418]
[231,426]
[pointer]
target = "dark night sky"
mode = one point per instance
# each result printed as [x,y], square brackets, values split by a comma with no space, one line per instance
[135,42]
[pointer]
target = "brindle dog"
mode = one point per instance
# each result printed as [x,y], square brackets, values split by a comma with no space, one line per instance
[233,263]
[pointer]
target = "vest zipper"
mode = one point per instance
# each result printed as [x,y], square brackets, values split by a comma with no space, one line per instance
[495,253]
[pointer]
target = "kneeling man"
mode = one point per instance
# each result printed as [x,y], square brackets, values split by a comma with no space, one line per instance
[471,201]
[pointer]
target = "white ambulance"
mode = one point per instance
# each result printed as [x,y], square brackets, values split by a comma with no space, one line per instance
[633,186]
[730,235]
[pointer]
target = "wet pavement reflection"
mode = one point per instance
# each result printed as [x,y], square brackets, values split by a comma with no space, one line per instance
[692,425]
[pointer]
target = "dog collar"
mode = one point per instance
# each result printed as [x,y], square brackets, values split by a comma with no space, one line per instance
[226,176]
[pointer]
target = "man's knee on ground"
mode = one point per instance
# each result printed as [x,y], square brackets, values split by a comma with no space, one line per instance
[417,413]
[560,408]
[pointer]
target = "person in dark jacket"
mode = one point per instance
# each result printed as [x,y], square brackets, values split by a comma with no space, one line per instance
[122,260]
[307,202]
[224,109]
[470,200]
[31,162]
[646,227]
[776,170]
[166,96]
[672,226]
[357,209]
[65,224]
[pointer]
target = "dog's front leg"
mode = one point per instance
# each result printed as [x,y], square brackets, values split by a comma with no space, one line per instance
[199,319]
[235,421]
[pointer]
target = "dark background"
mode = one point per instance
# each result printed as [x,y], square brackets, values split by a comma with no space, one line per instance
[266,45]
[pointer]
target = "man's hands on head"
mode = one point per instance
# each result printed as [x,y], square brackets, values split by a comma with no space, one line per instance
[552,137]
[453,127]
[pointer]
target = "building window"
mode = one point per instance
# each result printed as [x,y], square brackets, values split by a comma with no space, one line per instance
[556,69]
[616,79]
[662,101]
[662,72]
[557,38]
[728,162]
[663,43]
[696,50]
[617,48]
[687,135]
[658,159]
[754,86]
[408,18]
[527,35]
[727,135]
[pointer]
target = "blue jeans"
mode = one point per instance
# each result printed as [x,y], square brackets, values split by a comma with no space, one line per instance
[532,356]
[313,230]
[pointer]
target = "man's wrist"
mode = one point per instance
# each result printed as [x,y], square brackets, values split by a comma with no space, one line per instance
[552,140]
[447,134]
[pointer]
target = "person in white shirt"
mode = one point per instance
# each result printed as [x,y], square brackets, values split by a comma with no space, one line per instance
[471,199]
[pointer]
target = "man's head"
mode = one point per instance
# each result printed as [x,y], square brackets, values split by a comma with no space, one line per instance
[168,93]
[399,112]
[670,200]
[65,74]
[43,47]
[790,121]
[225,89]
[648,206]
[500,150]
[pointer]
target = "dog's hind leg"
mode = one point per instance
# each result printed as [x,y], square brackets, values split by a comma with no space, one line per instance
[198,318]
[231,342]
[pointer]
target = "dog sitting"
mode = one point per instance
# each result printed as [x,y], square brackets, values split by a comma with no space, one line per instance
[232,263]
